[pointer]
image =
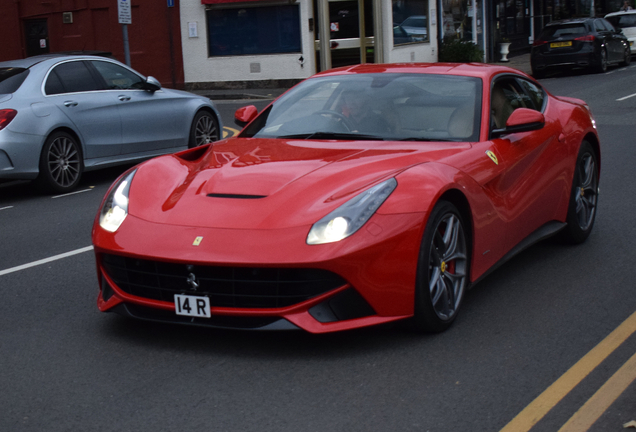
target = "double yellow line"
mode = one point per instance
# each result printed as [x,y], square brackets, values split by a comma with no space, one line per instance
[585,417]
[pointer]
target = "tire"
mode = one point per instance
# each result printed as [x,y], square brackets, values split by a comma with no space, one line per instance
[628,57]
[204,129]
[61,163]
[602,62]
[443,269]
[583,197]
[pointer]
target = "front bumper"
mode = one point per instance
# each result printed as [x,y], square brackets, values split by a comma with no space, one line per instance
[375,267]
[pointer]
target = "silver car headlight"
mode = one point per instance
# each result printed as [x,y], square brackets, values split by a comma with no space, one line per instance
[115,207]
[349,217]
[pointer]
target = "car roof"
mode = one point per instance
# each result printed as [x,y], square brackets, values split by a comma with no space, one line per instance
[479,70]
[569,21]
[32,61]
[629,12]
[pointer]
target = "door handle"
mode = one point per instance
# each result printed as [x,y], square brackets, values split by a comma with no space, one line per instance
[123,98]
[70,103]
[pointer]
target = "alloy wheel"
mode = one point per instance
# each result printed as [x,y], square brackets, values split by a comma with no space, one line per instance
[447,266]
[63,161]
[587,191]
[206,130]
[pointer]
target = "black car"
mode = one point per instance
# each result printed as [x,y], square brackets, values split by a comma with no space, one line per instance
[585,42]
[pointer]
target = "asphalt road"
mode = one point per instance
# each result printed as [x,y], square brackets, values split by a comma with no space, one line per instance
[64,366]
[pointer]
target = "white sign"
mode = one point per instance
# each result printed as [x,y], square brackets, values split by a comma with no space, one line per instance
[192,30]
[125,15]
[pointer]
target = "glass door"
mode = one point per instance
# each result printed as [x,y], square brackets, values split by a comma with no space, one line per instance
[351,33]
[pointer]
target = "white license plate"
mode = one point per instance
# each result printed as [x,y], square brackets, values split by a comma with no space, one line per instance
[193,306]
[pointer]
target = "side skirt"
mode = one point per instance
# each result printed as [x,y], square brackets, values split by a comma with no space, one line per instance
[542,233]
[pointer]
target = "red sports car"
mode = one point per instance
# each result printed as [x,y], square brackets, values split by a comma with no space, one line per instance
[363,195]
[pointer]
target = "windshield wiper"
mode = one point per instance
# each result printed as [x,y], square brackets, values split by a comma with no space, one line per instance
[334,135]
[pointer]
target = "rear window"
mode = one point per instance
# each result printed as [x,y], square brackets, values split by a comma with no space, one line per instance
[623,21]
[563,31]
[11,79]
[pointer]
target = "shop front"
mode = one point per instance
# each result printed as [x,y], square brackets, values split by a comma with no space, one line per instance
[229,44]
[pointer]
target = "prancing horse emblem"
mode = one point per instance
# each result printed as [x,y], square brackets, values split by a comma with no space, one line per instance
[192,281]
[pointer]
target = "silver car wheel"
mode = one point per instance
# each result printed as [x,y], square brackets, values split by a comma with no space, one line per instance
[61,163]
[205,129]
[64,162]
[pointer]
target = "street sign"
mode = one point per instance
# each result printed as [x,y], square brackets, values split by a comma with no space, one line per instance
[125,15]
[170,3]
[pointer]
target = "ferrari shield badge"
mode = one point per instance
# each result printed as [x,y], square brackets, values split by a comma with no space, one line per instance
[197,241]
[492,156]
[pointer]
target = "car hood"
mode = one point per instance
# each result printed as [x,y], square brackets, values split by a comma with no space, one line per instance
[249,183]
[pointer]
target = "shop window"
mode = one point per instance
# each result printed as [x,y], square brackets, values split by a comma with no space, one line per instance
[253,30]
[458,19]
[410,21]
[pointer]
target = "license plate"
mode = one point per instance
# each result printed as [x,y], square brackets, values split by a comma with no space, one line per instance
[193,306]
[560,44]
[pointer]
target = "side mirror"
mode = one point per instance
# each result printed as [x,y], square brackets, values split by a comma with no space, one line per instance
[152,85]
[521,120]
[244,115]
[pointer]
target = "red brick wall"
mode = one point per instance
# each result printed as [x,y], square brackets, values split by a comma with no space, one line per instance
[95,27]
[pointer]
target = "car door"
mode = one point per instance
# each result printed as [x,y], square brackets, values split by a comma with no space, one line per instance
[618,41]
[80,95]
[606,36]
[149,119]
[531,183]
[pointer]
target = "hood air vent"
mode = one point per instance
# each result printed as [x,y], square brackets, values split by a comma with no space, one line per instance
[236,196]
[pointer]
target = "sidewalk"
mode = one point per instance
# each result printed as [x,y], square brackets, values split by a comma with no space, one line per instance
[520,62]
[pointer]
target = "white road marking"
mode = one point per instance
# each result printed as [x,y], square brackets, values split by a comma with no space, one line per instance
[6,208]
[71,193]
[46,260]
[626,97]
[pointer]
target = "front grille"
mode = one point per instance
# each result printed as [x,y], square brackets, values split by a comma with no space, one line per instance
[235,287]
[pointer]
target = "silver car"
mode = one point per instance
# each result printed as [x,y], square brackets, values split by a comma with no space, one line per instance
[62,115]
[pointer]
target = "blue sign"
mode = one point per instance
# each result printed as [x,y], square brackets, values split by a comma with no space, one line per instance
[170,3]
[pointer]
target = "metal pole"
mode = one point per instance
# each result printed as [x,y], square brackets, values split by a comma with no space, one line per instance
[378,32]
[362,32]
[325,35]
[124,28]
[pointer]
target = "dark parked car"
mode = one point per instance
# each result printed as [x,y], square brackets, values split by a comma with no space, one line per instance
[584,42]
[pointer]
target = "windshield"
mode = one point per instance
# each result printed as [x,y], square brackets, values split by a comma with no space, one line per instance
[386,106]
[564,31]
[623,21]
[11,79]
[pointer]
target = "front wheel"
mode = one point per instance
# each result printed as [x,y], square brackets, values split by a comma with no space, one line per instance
[442,274]
[61,163]
[204,130]
[583,197]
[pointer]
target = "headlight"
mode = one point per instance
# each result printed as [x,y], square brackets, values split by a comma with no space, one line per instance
[115,207]
[349,217]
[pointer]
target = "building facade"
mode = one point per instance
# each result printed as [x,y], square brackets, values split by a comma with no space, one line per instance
[250,43]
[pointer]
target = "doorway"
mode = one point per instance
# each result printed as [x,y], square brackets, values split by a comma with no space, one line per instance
[351,33]
[36,32]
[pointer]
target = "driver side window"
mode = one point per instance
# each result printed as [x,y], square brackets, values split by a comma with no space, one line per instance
[506,97]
